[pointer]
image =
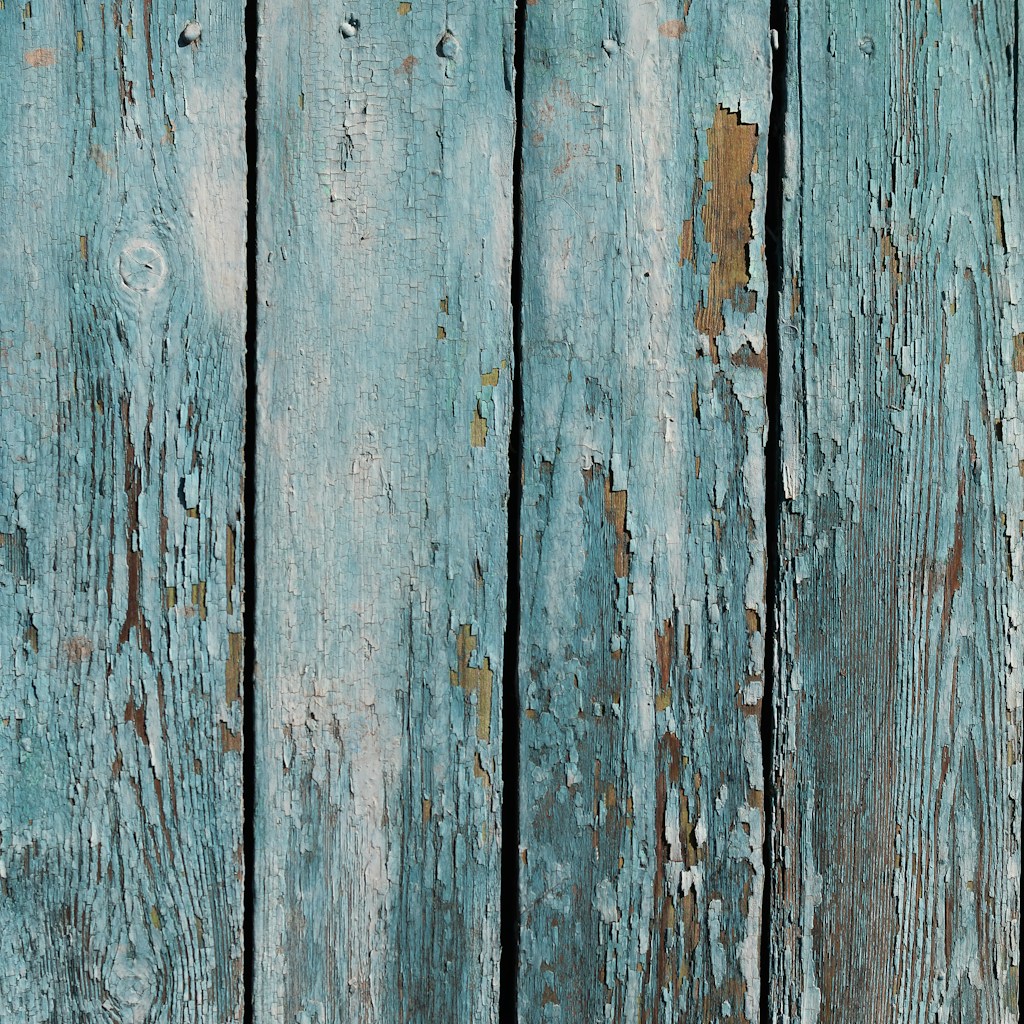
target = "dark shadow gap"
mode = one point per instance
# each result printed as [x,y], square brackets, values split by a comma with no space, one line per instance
[249,533]
[1016,128]
[508,995]
[774,255]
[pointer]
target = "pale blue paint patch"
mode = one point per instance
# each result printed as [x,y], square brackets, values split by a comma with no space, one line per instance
[384,412]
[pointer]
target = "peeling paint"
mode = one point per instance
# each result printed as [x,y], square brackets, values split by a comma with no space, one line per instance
[897,790]
[643,530]
[475,680]
[113,392]
[726,215]
[382,497]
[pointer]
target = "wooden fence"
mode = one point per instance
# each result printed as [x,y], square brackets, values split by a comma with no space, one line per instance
[511,512]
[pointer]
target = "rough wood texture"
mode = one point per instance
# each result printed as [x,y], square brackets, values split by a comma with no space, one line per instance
[384,389]
[122,185]
[643,532]
[896,894]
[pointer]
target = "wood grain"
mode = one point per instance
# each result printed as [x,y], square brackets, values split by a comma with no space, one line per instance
[384,413]
[122,185]
[643,528]
[897,851]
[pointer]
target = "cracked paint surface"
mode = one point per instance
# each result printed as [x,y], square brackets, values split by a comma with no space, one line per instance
[385,391]
[896,891]
[122,315]
[385,407]
[643,533]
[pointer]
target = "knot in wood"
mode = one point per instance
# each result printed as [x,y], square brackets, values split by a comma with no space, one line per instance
[142,267]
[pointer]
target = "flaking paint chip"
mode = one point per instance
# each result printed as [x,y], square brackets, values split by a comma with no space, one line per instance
[1018,353]
[478,430]
[727,217]
[475,681]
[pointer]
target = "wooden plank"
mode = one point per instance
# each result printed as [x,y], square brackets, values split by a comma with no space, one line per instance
[122,313]
[643,529]
[897,852]
[384,413]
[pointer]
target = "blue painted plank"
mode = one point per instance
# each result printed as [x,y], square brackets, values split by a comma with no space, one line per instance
[643,525]
[384,413]
[897,848]
[122,184]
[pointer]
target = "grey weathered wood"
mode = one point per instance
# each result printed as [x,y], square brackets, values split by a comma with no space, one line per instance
[384,409]
[643,529]
[897,848]
[122,186]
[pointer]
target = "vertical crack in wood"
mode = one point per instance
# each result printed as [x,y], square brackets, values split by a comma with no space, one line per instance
[773,466]
[249,545]
[508,1003]
[1016,106]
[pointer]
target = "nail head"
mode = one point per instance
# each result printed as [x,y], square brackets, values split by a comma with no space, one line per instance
[449,46]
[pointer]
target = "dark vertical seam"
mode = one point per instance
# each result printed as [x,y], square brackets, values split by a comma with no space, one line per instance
[508,995]
[249,502]
[1016,92]
[774,212]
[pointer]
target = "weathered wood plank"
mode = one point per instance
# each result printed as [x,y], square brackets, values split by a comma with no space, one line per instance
[122,184]
[896,890]
[384,391]
[643,531]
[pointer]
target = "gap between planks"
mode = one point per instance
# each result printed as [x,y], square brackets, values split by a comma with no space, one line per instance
[778,26]
[508,990]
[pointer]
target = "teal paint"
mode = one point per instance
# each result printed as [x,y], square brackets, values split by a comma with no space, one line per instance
[643,528]
[121,371]
[384,411]
[385,392]
[898,756]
